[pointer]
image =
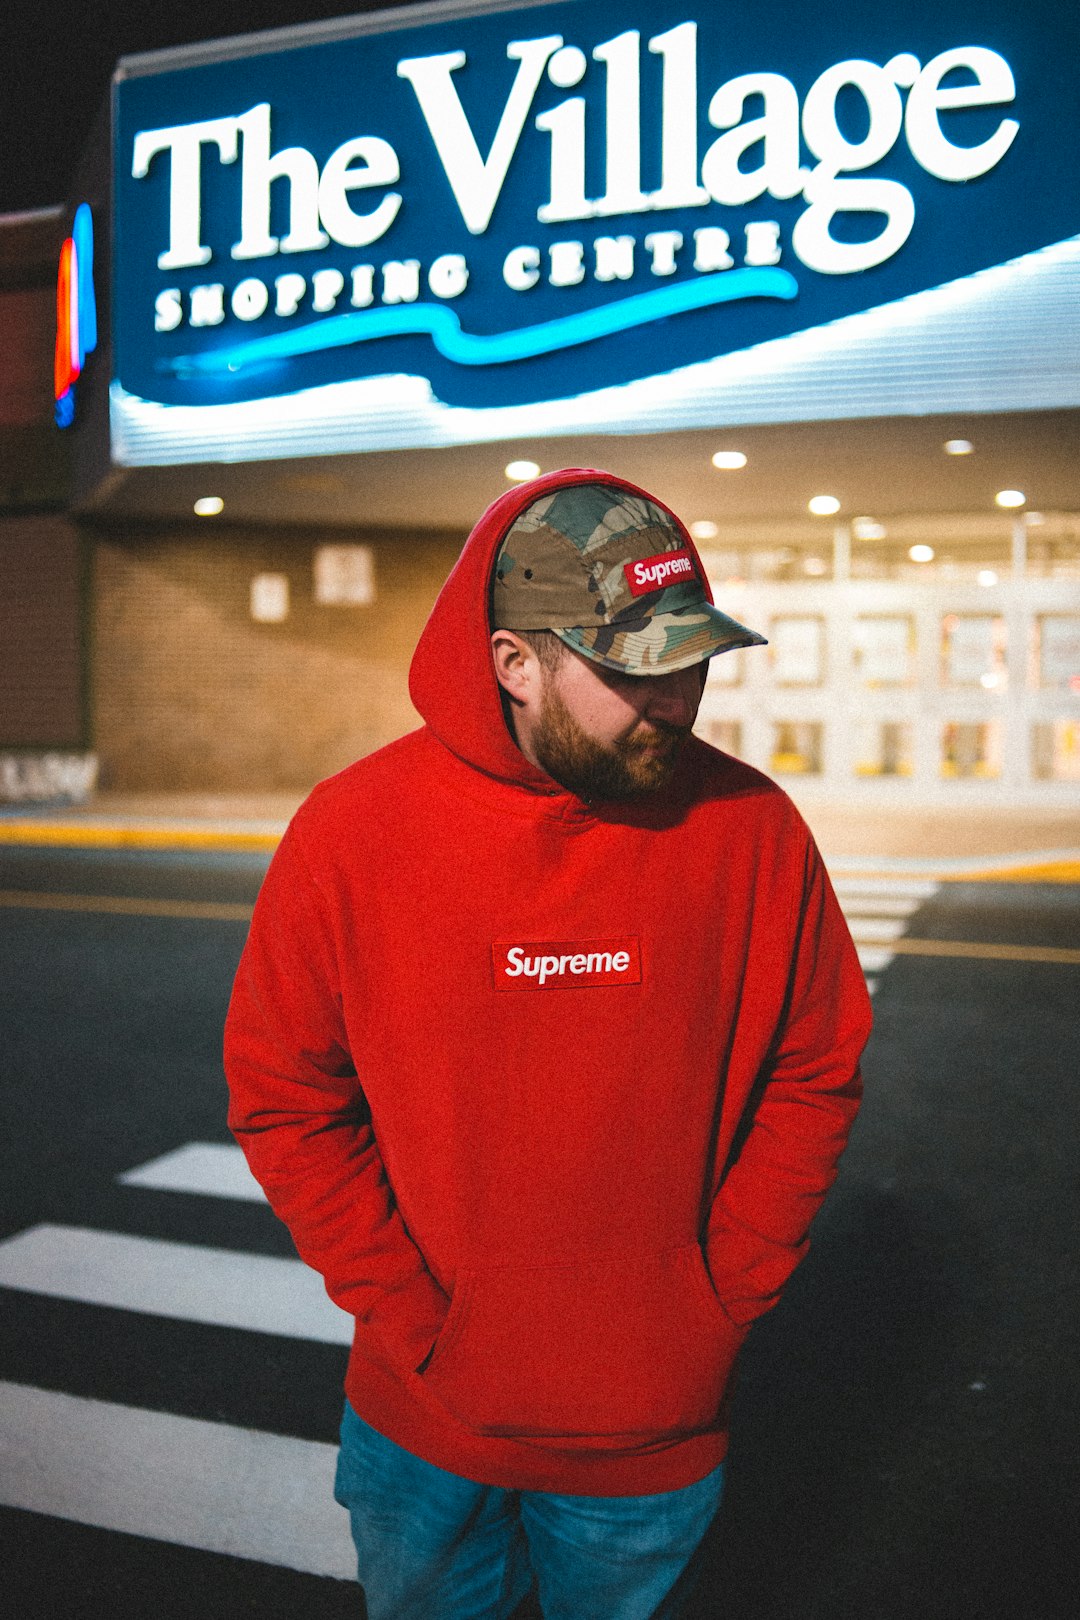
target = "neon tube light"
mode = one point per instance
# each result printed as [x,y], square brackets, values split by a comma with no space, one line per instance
[442,325]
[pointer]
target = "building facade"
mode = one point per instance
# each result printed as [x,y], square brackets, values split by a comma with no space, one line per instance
[320,293]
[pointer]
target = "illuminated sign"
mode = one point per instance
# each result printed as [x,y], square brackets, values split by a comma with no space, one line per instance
[76,313]
[500,212]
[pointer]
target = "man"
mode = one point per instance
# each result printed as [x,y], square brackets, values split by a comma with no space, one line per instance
[545,1046]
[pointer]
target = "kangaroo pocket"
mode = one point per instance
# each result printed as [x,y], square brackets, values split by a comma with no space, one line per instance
[635,1345]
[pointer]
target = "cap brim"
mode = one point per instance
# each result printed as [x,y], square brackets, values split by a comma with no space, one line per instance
[662,643]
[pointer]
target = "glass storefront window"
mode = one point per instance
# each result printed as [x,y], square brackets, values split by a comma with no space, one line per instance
[723,734]
[1057,657]
[962,558]
[884,649]
[726,669]
[884,748]
[796,749]
[797,650]
[973,651]
[1053,545]
[1055,750]
[971,748]
[799,561]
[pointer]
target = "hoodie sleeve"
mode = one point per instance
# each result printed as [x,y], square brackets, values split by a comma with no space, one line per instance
[298,1110]
[800,1113]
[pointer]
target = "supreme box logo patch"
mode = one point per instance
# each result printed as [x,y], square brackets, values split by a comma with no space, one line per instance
[566,964]
[653,573]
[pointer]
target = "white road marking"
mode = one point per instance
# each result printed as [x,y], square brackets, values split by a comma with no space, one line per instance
[878,910]
[252,1291]
[875,930]
[873,958]
[214,1169]
[878,905]
[916,888]
[175,1479]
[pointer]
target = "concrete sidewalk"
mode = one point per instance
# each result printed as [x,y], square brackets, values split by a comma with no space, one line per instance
[1035,845]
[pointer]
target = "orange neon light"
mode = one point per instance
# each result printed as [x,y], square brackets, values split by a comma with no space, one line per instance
[66,366]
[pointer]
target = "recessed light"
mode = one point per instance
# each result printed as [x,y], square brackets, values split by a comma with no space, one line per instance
[921,553]
[1010,497]
[987,576]
[209,506]
[729,460]
[958,447]
[704,529]
[864,528]
[519,471]
[823,505]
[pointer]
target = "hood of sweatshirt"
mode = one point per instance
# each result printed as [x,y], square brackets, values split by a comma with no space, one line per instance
[452,678]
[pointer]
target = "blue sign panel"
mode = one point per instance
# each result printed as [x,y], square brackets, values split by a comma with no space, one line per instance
[530,206]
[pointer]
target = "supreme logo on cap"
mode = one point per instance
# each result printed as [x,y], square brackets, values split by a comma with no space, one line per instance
[653,573]
[566,964]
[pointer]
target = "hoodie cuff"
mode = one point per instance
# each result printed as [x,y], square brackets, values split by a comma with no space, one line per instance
[408,1321]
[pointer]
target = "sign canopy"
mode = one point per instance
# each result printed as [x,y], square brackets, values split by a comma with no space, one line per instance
[453,230]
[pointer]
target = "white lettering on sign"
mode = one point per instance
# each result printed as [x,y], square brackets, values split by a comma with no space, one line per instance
[26,778]
[752,157]
[475,181]
[184,143]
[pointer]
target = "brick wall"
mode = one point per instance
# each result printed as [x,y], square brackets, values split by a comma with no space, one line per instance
[41,652]
[189,693]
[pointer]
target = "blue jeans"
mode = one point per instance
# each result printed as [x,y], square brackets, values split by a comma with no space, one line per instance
[433,1546]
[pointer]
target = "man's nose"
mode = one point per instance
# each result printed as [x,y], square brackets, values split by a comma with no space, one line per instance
[674,698]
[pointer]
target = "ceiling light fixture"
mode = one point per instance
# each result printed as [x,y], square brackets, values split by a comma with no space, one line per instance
[519,471]
[823,505]
[866,528]
[729,460]
[209,506]
[704,529]
[1010,498]
[958,447]
[921,553]
[987,577]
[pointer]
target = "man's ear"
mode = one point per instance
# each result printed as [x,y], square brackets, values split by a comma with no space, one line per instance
[517,668]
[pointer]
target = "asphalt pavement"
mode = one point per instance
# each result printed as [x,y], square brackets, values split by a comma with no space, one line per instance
[906,1423]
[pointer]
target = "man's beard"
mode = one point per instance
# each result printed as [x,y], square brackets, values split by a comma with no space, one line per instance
[626,768]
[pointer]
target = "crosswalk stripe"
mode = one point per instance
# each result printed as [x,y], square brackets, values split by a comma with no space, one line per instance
[213,1169]
[875,930]
[176,1479]
[878,911]
[256,1292]
[917,888]
[879,905]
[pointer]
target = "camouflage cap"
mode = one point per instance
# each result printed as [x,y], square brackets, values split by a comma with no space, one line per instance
[614,576]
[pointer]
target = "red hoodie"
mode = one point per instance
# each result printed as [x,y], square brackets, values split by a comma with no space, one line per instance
[549,1092]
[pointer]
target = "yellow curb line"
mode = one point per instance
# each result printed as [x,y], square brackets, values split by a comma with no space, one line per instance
[97,836]
[1047,872]
[73,834]
[993,953]
[125,905]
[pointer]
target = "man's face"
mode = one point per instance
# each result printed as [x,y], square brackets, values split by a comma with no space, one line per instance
[609,736]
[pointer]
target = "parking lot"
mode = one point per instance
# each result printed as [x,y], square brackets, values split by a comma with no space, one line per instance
[904,1436]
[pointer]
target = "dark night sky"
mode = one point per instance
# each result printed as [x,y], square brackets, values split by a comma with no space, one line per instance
[57,57]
